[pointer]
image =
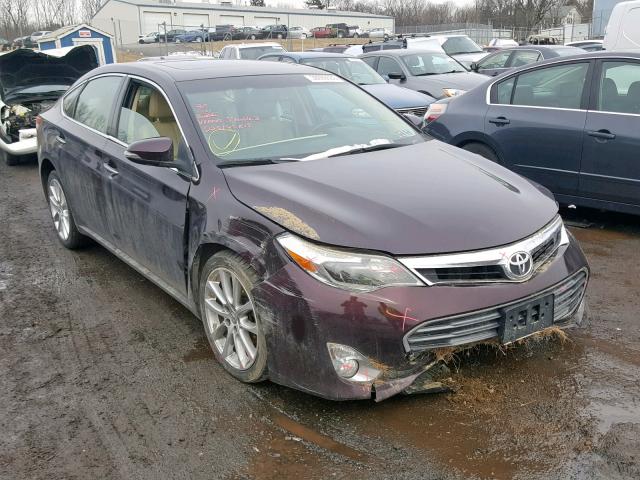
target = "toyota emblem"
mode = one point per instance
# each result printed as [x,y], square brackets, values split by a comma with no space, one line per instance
[520,265]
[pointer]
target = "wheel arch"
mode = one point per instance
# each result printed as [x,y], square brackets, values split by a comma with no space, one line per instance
[478,137]
[46,167]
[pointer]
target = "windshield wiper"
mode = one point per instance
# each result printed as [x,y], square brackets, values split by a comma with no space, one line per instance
[255,161]
[369,148]
[453,71]
[426,74]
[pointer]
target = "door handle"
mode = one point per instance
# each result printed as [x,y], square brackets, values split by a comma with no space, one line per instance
[60,139]
[112,170]
[500,121]
[601,134]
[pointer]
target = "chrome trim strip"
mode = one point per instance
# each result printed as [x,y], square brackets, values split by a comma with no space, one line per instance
[494,256]
[405,338]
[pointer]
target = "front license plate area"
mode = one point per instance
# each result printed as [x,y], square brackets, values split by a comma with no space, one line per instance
[527,318]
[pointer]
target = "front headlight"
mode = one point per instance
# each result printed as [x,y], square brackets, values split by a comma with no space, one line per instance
[452,92]
[345,269]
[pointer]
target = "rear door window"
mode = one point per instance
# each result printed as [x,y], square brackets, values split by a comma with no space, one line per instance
[524,57]
[619,87]
[94,103]
[388,65]
[498,60]
[556,87]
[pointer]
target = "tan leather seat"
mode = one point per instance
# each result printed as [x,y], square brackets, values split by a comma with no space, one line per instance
[163,120]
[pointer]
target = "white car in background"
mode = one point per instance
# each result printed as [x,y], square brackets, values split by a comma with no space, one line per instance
[249,51]
[379,33]
[460,48]
[152,37]
[623,29]
[35,36]
[299,32]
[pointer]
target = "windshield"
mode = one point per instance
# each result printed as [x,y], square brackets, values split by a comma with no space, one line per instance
[421,64]
[290,117]
[253,53]
[353,69]
[456,45]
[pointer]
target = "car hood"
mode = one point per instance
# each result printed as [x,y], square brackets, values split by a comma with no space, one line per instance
[460,80]
[468,58]
[25,68]
[398,97]
[420,199]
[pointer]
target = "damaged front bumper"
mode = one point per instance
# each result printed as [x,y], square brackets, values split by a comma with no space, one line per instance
[301,316]
[27,145]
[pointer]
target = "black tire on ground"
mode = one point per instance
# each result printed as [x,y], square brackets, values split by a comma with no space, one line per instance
[248,278]
[355,35]
[253,37]
[279,36]
[75,239]
[482,150]
[340,35]
[10,160]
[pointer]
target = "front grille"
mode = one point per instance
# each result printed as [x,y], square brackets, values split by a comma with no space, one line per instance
[484,325]
[543,251]
[568,296]
[451,332]
[464,274]
[417,111]
[491,265]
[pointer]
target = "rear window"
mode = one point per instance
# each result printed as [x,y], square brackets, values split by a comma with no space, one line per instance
[253,53]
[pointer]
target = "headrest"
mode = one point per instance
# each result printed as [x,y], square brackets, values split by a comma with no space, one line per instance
[158,106]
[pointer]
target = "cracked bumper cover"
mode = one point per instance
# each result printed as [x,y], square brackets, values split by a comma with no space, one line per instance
[23,147]
[301,315]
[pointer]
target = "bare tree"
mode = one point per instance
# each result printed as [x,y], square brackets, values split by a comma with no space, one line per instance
[90,7]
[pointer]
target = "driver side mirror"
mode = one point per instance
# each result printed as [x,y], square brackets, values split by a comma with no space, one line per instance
[156,152]
[397,76]
[474,67]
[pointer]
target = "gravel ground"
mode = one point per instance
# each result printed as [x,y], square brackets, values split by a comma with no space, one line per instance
[105,376]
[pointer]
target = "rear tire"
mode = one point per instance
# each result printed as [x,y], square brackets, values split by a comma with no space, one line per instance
[279,36]
[61,214]
[245,356]
[482,150]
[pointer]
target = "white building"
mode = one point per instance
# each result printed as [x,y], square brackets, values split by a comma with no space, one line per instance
[128,19]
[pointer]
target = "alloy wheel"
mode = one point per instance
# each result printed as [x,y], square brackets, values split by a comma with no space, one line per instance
[59,209]
[231,319]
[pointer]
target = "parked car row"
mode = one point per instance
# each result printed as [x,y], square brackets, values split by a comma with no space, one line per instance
[310,227]
[277,31]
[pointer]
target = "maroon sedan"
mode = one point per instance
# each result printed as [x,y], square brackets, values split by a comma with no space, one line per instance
[324,241]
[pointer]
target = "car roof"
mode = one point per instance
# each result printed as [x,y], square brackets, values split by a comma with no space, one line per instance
[303,55]
[542,48]
[260,44]
[602,54]
[402,52]
[197,69]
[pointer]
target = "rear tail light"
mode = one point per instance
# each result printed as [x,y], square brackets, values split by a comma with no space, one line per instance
[38,122]
[435,111]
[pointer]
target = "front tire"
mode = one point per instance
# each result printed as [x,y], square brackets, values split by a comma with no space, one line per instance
[230,320]
[62,215]
[482,150]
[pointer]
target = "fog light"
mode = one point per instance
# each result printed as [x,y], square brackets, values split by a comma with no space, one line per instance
[351,364]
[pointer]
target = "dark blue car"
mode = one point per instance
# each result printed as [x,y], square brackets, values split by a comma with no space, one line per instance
[572,125]
[355,70]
